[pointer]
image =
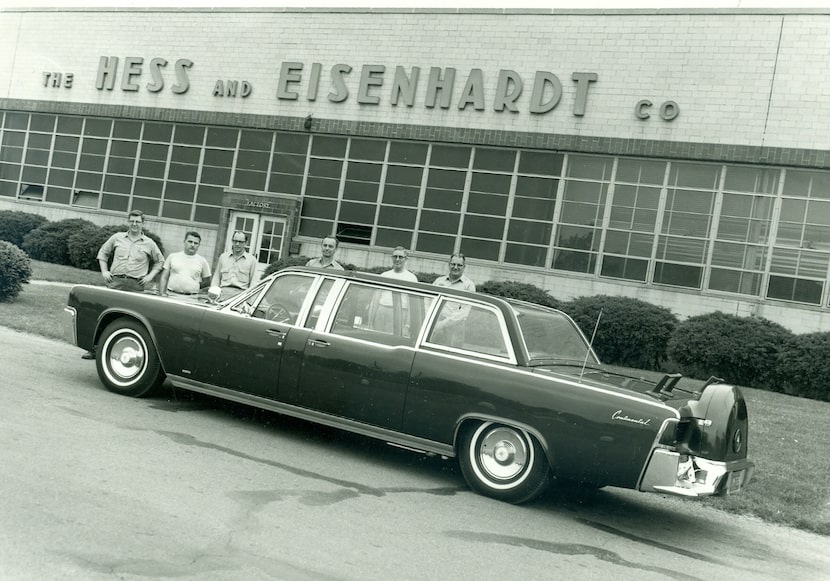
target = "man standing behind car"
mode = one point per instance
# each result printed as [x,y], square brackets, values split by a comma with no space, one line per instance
[399,270]
[328,246]
[235,270]
[132,255]
[184,272]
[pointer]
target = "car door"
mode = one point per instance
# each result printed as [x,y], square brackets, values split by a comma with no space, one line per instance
[358,367]
[241,348]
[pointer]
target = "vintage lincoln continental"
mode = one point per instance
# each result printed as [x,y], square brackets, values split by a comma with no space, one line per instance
[511,389]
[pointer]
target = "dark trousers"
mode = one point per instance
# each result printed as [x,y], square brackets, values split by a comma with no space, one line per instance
[125,283]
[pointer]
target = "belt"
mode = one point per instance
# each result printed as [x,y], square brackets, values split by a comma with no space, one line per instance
[233,286]
[180,292]
[125,276]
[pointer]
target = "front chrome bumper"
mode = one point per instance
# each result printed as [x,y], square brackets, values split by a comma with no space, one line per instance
[70,329]
[684,475]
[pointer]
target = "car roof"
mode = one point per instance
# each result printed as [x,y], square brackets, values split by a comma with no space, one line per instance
[394,282]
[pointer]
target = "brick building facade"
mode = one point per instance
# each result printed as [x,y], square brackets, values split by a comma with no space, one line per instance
[677,156]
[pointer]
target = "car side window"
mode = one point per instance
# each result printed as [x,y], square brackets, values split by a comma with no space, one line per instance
[282,301]
[317,305]
[382,315]
[469,327]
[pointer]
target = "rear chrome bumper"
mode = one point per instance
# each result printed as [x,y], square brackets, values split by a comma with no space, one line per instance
[684,475]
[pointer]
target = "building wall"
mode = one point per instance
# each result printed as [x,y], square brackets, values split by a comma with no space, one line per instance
[751,86]
[739,78]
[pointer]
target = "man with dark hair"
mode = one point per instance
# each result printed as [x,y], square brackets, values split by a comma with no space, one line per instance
[136,258]
[328,247]
[235,270]
[184,272]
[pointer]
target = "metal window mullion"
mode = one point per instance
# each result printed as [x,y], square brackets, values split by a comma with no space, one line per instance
[557,210]
[303,185]
[421,196]
[606,218]
[167,163]
[713,231]
[773,235]
[465,198]
[381,189]
[341,186]
[658,225]
[508,213]
[270,161]
[199,167]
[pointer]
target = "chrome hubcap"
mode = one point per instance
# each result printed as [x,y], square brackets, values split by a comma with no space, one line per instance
[503,453]
[126,359]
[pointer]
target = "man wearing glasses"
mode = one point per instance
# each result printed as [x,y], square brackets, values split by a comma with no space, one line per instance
[235,270]
[398,270]
[456,279]
[450,327]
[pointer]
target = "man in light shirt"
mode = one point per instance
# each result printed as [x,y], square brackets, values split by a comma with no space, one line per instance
[398,270]
[235,270]
[184,272]
[328,247]
[450,327]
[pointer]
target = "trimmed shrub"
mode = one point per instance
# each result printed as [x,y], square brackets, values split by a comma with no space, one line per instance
[519,290]
[285,263]
[15,225]
[300,261]
[15,270]
[631,332]
[49,242]
[83,245]
[804,366]
[741,350]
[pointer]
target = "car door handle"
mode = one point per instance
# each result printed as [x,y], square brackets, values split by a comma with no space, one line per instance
[318,343]
[279,335]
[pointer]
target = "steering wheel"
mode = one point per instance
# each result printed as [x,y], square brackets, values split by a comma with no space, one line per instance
[278,313]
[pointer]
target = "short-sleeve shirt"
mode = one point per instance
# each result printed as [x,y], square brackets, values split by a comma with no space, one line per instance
[130,257]
[236,271]
[405,275]
[186,272]
[318,263]
[463,283]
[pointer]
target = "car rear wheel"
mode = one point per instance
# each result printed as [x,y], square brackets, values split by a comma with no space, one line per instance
[127,361]
[503,462]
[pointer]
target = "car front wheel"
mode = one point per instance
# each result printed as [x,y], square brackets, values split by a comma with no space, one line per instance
[127,361]
[503,462]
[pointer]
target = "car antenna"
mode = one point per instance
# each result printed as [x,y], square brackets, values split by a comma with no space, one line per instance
[590,346]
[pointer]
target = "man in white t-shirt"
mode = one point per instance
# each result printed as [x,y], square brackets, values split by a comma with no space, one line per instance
[399,271]
[184,272]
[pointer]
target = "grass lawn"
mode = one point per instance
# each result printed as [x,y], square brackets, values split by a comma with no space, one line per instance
[787,435]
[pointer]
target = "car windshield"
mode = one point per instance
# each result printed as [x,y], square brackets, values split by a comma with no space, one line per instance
[550,335]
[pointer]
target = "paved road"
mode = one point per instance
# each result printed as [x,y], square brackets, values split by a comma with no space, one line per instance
[96,486]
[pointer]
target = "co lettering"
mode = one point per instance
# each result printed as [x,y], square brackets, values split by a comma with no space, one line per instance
[669,110]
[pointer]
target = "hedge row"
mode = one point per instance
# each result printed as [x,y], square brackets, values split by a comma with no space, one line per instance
[72,242]
[748,351]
